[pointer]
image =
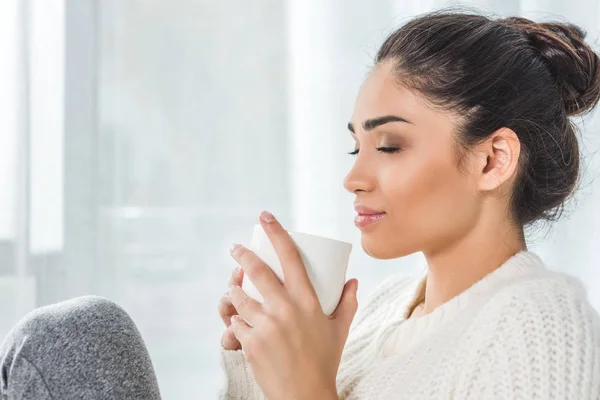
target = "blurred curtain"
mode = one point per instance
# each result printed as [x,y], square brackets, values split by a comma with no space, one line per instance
[139,139]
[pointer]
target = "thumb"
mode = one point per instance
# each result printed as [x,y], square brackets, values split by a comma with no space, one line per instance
[346,309]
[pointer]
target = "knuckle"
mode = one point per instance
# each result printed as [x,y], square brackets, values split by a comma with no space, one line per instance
[229,342]
[286,312]
[257,269]
[260,270]
[244,302]
[224,307]
[223,303]
[221,309]
[231,280]
[272,328]
[236,280]
[253,265]
[289,320]
[225,339]
[243,253]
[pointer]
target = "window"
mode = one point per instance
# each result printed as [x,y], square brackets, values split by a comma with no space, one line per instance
[139,139]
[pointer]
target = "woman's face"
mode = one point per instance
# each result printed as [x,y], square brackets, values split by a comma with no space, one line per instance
[407,171]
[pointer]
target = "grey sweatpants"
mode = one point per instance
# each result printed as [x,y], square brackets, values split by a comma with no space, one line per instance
[85,348]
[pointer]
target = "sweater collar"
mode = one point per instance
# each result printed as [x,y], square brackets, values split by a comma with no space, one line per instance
[521,264]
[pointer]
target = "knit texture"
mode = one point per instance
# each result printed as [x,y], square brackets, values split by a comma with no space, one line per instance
[522,332]
[87,348]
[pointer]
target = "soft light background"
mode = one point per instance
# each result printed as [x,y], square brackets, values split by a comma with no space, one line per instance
[139,139]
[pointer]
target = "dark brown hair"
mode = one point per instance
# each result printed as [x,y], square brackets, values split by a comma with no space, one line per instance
[511,72]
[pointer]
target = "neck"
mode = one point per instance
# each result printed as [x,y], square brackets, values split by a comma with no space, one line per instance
[455,268]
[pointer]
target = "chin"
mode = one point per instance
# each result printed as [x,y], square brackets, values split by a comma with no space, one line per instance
[383,249]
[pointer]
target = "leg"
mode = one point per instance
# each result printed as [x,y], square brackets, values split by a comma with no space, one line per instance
[85,348]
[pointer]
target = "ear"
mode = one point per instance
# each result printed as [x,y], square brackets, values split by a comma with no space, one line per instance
[498,159]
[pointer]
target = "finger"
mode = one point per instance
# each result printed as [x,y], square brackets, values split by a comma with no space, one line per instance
[346,309]
[295,275]
[240,329]
[229,341]
[226,309]
[258,272]
[246,307]
[237,277]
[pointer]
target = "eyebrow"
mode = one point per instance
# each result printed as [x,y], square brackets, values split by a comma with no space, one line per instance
[373,123]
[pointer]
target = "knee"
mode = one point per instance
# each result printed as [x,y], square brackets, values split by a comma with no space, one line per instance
[83,340]
[89,310]
[81,315]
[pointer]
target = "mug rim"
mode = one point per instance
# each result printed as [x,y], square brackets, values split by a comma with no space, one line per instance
[292,233]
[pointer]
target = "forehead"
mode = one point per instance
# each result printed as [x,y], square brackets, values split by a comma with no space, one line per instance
[381,94]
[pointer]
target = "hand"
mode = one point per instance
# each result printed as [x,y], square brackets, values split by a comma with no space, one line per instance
[293,348]
[227,310]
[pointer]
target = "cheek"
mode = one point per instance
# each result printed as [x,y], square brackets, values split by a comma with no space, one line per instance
[428,202]
[427,188]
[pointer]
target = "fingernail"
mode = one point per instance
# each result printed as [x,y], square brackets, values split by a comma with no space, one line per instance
[233,318]
[266,217]
[234,248]
[237,271]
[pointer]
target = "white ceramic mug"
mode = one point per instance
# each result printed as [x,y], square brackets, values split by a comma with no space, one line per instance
[326,261]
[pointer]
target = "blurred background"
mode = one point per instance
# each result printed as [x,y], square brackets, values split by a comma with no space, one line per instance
[140,138]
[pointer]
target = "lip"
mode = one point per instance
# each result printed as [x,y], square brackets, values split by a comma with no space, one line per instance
[364,210]
[367,216]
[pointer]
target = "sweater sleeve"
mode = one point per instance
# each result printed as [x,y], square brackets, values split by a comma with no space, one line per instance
[544,346]
[370,320]
[240,383]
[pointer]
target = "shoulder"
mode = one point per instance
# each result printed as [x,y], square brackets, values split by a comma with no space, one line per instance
[541,316]
[548,294]
[542,328]
[535,338]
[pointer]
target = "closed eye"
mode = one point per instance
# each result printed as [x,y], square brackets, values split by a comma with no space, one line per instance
[388,150]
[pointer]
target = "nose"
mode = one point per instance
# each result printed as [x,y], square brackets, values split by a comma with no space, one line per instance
[361,177]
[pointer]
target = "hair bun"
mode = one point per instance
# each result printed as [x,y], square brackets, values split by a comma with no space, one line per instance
[572,61]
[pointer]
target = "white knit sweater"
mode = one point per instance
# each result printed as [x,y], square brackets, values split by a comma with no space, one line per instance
[522,332]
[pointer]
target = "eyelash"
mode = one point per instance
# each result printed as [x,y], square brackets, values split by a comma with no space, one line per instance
[387,150]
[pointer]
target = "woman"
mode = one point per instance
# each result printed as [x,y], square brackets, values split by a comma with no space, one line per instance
[463,138]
